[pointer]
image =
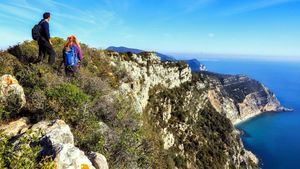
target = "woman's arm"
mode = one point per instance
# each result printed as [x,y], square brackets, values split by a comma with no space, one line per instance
[79,52]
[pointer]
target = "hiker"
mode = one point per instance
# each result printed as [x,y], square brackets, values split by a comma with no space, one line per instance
[72,56]
[41,33]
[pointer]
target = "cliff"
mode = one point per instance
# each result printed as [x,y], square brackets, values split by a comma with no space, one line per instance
[134,109]
[179,116]
[240,97]
[194,64]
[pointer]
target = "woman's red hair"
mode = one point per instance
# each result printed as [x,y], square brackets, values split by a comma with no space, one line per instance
[72,39]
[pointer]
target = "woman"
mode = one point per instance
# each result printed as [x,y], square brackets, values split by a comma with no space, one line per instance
[72,56]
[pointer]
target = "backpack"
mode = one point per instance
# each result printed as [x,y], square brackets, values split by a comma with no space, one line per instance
[36,32]
[71,58]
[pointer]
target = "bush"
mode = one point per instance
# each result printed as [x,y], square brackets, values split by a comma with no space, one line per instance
[36,99]
[4,114]
[92,85]
[121,142]
[67,102]
[8,63]
[26,52]
[70,103]
[30,77]
[68,95]
[87,134]
[22,153]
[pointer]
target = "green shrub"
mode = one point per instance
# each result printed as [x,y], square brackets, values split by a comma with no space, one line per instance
[86,131]
[30,77]
[8,63]
[70,103]
[68,95]
[179,161]
[4,114]
[26,52]
[22,153]
[67,102]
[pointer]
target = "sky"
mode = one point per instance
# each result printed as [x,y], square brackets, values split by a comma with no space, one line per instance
[210,28]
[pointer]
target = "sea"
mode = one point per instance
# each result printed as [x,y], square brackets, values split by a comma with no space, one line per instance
[273,137]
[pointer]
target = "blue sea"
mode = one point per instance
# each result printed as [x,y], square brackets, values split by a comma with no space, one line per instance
[273,137]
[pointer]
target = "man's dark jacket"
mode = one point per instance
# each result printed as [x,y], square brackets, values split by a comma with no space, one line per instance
[45,34]
[44,44]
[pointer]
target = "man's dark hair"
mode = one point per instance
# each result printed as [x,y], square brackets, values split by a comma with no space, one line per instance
[46,15]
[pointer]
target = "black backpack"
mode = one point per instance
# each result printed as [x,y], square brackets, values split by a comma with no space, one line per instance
[36,31]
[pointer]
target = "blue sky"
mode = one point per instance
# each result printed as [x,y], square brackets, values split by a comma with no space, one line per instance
[241,28]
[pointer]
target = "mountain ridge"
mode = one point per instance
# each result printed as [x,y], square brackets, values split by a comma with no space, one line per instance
[193,63]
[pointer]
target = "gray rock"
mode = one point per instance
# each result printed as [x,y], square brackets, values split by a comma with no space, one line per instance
[240,97]
[145,72]
[15,127]
[70,157]
[57,140]
[98,160]
[11,93]
[57,131]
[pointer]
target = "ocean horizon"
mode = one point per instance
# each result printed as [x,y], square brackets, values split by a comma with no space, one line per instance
[271,136]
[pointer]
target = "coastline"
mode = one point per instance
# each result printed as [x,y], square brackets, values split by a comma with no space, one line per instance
[246,118]
[253,115]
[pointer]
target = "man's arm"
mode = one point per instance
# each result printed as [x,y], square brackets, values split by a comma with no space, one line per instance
[46,29]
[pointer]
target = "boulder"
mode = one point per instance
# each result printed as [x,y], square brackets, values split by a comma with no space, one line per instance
[11,93]
[70,157]
[57,140]
[98,160]
[57,131]
[15,127]
[168,139]
[252,157]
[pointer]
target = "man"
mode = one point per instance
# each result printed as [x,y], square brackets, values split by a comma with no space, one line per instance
[45,44]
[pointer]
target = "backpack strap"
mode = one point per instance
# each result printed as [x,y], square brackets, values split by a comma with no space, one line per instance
[42,21]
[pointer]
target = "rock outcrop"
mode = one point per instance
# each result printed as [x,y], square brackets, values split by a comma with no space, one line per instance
[57,141]
[236,96]
[240,97]
[145,71]
[98,160]
[11,93]
[15,127]
[190,127]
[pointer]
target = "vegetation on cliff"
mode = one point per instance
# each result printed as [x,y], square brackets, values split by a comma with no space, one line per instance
[203,138]
[105,121]
[82,101]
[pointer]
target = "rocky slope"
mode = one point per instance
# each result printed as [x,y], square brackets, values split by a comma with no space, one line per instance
[239,97]
[134,109]
[179,114]
[51,138]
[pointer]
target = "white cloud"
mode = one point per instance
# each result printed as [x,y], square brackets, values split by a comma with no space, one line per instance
[16,11]
[256,5]
[193,5]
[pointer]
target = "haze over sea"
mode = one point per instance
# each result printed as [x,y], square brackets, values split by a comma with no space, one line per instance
[273,137]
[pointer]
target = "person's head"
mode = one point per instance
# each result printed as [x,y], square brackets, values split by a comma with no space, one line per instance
[72,40]
[46,16]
